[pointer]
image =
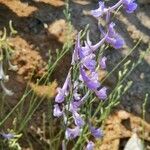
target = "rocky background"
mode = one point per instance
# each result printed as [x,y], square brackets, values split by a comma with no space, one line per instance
[41,26]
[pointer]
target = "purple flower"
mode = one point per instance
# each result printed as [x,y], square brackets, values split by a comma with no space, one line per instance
[97,133]
[97,45]
[74,106]
[99,11]
[72,133]
[88,62]
[81,52]
[129,5]
[78,120]
[102,63]
[101,93]
[85,50]
[90,80]
[90,146]
[62,92]
[113,38]
[7,136]
[57,112]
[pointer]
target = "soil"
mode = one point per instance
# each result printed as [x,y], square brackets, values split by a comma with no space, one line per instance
[41,27]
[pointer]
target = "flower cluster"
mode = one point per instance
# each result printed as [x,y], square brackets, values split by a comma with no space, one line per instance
[128,5]
[83,76]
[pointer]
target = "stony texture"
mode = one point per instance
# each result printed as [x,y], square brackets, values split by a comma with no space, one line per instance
[41,27]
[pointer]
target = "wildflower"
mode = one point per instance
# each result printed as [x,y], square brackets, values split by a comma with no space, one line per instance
[97,45]
[129,5]
[72,133]
[90,146]
[91,81]
[78,120]
[113,38]
[7,136]
[101,93]
[99,11]
[88,48]
[74,106]
[57,112]
[97,133]
[84,50]
[62,92]
[102,63]
[88,62]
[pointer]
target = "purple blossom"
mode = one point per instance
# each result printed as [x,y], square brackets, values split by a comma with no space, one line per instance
[99,11]
[62,92]
[90,80]
[129,5]
[78,120]
[113,38]
[72,133]
[101,93]
[89,62]
[87,49]
[97,133]
[102,62]
[97,45]
[57,112]
[90,146]
[74,106]
[7,136]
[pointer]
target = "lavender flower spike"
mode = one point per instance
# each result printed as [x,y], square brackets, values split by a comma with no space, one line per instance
[90,146]
[97,133]
[129,5]
[72,133]
[62,92]
[57,112]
